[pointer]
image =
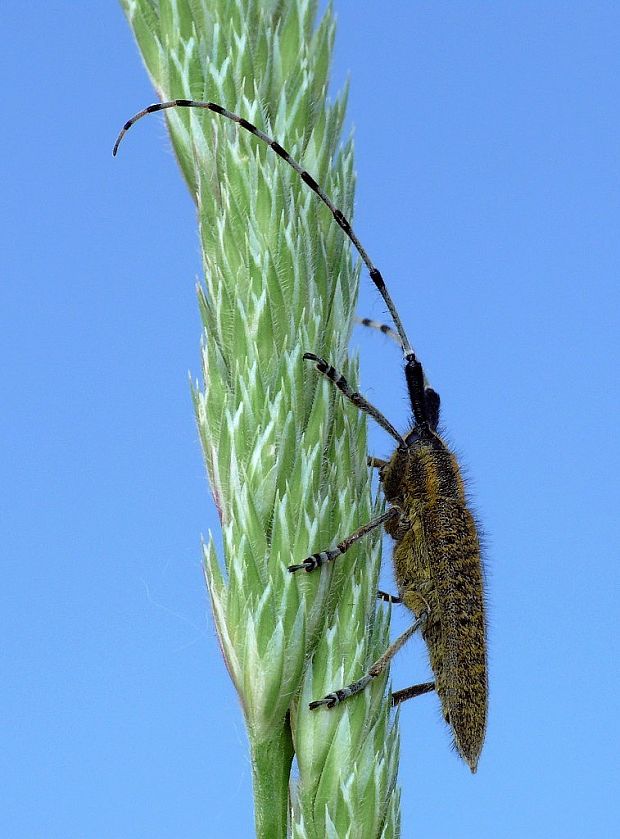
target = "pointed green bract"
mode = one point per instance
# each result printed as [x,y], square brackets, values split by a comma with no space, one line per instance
[285,454]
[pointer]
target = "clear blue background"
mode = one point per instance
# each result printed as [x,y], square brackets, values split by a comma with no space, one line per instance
[488,192]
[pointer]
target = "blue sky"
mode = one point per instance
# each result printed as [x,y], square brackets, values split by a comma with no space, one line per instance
[487,149]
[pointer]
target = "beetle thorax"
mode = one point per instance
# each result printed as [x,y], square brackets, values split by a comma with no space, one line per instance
[423,472]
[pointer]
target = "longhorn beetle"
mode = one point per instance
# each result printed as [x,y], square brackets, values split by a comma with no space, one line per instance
[437,560]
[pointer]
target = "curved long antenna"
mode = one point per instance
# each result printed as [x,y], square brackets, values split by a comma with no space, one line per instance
[341,220]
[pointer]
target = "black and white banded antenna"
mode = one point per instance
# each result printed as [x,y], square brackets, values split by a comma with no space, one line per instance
[339,217]
[381,327]
[386,330]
